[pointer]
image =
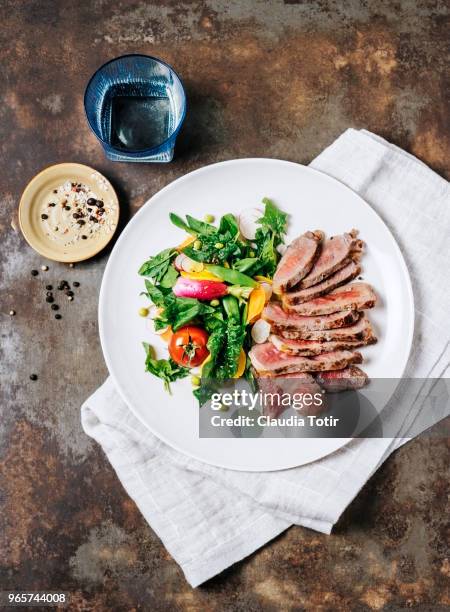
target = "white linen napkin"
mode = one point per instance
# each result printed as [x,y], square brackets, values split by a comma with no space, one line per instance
[207,517]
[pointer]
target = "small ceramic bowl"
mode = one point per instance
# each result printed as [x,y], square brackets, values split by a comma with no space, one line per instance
[68,212]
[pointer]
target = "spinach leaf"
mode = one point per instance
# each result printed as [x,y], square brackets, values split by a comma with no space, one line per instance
[166,369]
[200,226]
[169,278]
[157,266]
[229,224]
[249,265]
[267,254]
[178,221]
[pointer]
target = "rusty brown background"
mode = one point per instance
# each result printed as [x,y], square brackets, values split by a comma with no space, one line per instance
[263,79]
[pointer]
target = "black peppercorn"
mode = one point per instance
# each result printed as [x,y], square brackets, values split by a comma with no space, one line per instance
[49,287]
[33,377]
[58,316]
[44,216]
[49,299]
[54,307]
[34,272]
[76,284]
[91,202]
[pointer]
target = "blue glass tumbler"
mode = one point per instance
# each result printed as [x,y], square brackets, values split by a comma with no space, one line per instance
[135,105]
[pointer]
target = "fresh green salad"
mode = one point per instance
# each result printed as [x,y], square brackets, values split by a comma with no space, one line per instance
[207,294]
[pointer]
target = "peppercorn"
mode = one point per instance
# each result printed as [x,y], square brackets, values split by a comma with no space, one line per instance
[34,272]
[33,377]
[58,316]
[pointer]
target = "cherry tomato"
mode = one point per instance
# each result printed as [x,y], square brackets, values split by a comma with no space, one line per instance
[187,347]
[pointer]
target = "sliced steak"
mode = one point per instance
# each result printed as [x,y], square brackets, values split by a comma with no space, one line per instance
[361,330]
[281,320]
[336,252]
[343,380]
[267,359]
[281,392]
[315,347]
[344,275]
[356,296]
[297,261]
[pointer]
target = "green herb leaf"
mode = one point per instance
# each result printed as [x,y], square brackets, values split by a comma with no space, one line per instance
[156,267]
[274,219]
[200,226]
[166,369]
[169,278]
[178,221]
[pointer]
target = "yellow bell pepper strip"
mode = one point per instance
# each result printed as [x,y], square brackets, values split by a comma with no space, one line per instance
[241,364]
[167,335]
[264,279]
[200,276]
[189,240]
[256,304]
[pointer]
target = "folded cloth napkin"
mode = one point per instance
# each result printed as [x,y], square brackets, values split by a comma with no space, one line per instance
[207,517]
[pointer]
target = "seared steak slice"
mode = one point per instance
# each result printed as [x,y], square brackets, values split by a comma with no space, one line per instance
[269,360]
[345,274]
[315,347]
[356,296]
[275,387]
[361,330]
[297,261]
[336,252]
[281,320]
[342,380]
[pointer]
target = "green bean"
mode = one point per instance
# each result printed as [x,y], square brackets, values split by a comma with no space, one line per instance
[231,306]
[231,276]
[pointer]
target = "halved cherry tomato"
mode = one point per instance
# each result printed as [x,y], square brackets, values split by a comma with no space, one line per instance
[187,346]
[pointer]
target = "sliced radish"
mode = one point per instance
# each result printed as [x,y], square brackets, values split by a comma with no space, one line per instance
[178,261]
[185,263]
[267,287]
[189,265]
[248,222]
[260,331]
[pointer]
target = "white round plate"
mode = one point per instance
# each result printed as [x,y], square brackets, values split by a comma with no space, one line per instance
[313,201]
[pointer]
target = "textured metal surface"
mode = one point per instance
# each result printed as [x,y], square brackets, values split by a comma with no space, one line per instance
[263,79]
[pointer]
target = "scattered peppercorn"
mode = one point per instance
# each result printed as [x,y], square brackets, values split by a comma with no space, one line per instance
[34,272]
[58,316]
[52,204]
[67,207]
[49,287]
[100,211]
[33,377]
[49,299]
[99,204]
[83,237]
[44,216]
[12,313]
[91,202]
[70,293]
[75,215]
[76,284]
[81,222]
[70,298]
[49,293]
[60,287]
[44,268]
[93,219]
[54,307]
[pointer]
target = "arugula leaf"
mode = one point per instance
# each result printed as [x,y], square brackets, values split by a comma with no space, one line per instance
[157,266]
[267,254]
[224,344]
[274,219]
[166,369]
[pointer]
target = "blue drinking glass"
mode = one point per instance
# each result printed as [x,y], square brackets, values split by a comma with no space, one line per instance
[135,105]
